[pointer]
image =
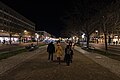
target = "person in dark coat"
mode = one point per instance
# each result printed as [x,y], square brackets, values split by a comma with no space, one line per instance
[68,55]
[70,43]
[50,50]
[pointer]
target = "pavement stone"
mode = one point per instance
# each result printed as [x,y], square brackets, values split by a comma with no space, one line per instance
[38,68]
[9,63]
[111,64]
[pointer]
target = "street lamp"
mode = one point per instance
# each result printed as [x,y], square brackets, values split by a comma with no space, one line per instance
[2,30]
[25,35]
[20,36]
[37,36]
[25,31]
[83,36]
[96,36]
[96,31]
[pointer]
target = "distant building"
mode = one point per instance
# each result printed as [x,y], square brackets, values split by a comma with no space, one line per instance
[113,37]
[43,35]
[13,26]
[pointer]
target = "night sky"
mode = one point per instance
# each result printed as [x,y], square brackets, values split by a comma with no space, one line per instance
[47,14]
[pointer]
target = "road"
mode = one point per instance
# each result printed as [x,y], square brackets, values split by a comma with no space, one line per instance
[38,68]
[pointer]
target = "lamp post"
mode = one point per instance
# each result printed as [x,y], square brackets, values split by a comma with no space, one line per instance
[83,36]
[25,31]
[37,36]
[25,35]
[20,36]
[96,36]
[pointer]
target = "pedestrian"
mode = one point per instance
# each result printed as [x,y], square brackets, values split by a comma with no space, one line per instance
[116,42]
[70,43]
[74,45]
[59,51]
[4,41]
[71,54]
[68,55]
[50,50]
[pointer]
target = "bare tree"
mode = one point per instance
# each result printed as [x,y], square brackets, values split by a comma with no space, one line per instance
[109,20]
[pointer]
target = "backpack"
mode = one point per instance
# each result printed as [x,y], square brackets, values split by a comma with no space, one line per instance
[68,51]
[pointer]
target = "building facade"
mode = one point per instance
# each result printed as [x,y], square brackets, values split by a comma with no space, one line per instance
[13,26]
[113,37]
[43,35]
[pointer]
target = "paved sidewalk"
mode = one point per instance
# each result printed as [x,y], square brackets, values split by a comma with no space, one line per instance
[111,64]
[38,68]
[7,64]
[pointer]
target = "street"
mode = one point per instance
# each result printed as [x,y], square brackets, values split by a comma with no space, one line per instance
[38,68]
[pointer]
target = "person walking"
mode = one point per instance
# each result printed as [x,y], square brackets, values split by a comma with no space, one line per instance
[70,43]
[68,55]
[50,50]
[59,52]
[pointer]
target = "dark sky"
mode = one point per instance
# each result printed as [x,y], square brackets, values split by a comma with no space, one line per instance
[46,14]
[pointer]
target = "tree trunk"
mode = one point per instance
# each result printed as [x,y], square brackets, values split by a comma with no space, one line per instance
[109,40]
[105,41]
[88,38]
[10,41]
[20,39]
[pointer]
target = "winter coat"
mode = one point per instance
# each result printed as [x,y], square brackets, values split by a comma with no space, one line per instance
[68,54]
[59,51]
[51,48]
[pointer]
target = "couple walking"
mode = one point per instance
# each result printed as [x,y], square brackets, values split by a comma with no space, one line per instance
[52,49]
[59,52]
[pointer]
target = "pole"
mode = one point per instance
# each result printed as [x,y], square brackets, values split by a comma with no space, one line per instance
[37,41]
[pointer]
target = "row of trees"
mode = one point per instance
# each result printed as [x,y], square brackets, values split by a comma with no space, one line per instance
[106,19]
